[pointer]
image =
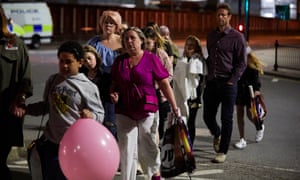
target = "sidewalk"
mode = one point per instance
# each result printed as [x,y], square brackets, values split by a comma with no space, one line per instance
[263,45]
[268,56]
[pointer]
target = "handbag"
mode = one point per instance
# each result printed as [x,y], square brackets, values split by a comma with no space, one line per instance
[176,151]
[34,159]
[258,107]
[148,103]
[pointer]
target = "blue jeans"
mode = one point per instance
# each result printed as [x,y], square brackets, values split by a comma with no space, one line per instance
[110,118]
[219,92]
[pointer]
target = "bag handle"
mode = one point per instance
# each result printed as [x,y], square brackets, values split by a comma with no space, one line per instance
[44,107]
[137,89]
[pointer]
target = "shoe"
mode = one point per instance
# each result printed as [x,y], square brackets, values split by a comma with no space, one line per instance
[220,158]
[139,172]
[260,134]
[241,144]
[217,144]
[155,177]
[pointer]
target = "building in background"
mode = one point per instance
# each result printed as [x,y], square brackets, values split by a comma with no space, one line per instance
[262,8]
[267,8]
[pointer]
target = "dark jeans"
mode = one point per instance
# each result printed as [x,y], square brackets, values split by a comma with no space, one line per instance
[110,118]
[219,92]
[50,164]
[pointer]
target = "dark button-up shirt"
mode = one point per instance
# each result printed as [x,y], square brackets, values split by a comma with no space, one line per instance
[226,54]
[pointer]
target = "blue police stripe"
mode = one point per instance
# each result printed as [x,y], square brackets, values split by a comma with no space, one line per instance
[37,28]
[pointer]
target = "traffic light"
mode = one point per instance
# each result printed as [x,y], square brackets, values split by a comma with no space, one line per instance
[241,28]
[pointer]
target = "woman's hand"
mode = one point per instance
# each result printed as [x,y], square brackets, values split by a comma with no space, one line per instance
[114,96]
[176,112]
[85,113]
[257,93]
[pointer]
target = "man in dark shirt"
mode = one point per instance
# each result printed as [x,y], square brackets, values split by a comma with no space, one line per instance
[226,63]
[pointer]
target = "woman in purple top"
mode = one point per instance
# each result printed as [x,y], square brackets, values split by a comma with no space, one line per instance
[133,76]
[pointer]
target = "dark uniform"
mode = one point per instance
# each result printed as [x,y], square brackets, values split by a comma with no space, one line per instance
[15,79]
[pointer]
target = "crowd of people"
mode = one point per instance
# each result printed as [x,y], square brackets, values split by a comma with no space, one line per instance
[129,78]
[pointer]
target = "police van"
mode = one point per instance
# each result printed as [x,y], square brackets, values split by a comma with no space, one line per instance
[32,21]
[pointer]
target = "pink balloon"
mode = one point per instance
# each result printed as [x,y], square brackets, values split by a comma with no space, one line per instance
[88,151]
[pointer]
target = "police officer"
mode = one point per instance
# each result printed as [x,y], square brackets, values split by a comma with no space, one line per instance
[15,87]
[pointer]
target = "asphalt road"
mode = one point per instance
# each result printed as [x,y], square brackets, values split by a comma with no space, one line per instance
[276,157]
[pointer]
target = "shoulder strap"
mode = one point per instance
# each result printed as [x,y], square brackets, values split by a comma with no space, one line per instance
[45,105]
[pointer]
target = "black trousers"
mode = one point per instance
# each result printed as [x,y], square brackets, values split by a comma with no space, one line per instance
[191,122]
[219,92]
[4,170]
[50,162]
[164,109]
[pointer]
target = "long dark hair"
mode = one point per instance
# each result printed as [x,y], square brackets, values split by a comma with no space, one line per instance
[198,48]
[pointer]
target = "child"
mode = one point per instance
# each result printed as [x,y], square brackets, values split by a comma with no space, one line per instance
[190,70]
[92,69]
[249,77]
[68,96]
[91,66]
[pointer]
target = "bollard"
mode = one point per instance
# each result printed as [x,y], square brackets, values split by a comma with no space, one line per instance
[276,47]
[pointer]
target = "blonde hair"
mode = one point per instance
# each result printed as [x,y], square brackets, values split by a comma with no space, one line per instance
[255,63]
[115,15]
[160,40]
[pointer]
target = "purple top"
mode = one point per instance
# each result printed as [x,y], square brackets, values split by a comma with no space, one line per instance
[142,75]
[226,54]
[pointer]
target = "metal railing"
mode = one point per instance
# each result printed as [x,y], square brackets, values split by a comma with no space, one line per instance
[287,56]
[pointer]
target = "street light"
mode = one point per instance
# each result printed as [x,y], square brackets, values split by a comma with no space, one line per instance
[243,27]
[247,19]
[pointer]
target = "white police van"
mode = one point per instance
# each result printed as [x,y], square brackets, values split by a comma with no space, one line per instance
[34,20]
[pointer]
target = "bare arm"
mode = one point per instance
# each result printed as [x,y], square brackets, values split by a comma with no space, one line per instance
[165,87]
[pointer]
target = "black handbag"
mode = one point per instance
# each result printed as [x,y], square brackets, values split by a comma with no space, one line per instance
[34,158]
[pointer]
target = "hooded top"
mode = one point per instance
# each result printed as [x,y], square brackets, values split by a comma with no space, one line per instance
[66,97]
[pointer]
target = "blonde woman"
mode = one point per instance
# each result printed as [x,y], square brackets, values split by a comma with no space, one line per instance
[250,77]
[108,45]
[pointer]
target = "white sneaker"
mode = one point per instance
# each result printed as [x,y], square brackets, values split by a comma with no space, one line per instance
[260,134]
[241,144]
